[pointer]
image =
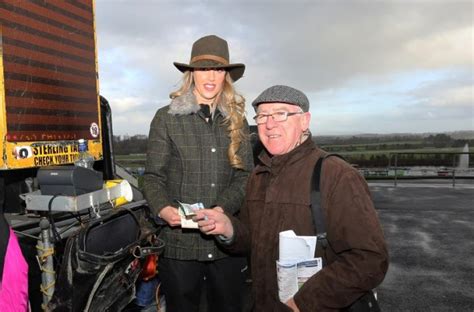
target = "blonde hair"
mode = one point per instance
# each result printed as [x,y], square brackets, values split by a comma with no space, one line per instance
[232,105]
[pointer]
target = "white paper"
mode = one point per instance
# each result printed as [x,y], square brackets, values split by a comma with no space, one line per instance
[308,268]
[296,264]
[296,248]
[186,211]
[287,275]
[291,276]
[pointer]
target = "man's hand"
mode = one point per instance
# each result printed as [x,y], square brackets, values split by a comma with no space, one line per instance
[170,215]
[214,221]
[291,303]
[218,208]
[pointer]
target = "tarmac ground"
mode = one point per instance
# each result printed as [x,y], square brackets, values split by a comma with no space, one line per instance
[429,229]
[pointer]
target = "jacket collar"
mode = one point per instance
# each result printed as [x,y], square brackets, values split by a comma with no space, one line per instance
[276,163]
[186,104]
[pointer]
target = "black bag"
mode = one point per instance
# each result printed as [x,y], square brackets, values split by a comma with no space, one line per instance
[102,262]
[367,302]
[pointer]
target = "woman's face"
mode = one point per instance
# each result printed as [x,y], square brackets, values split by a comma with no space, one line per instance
[208,84]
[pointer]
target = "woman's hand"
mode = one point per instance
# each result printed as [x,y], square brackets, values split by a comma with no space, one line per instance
[170,215]
[215,222]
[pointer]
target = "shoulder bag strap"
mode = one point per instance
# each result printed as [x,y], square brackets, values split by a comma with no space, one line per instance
[368,302]
[316,208]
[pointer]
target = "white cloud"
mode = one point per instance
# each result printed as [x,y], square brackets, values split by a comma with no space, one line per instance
[447,48]
[128,104]
[137,123]
[462,97]
[355,57]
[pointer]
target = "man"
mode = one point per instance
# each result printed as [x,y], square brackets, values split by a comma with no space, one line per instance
[278,199]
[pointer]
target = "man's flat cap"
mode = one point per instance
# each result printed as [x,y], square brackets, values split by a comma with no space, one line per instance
[282,94]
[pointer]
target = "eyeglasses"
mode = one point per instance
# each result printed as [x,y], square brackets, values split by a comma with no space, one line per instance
[276,116]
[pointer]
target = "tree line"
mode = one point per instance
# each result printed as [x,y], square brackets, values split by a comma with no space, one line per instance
[131,145]
[363,151]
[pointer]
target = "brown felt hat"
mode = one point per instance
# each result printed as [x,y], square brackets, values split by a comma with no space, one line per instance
[212,52]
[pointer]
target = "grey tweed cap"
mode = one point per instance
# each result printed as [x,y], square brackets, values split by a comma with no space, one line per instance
[282,94]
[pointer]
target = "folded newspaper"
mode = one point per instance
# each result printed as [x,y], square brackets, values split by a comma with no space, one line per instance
[296,263]
[187,212]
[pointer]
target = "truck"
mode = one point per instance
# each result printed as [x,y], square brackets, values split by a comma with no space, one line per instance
[49,100]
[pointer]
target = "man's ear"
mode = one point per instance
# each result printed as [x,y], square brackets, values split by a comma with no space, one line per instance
[305,121]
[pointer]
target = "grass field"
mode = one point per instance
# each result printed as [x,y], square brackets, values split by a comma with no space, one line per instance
[132,157]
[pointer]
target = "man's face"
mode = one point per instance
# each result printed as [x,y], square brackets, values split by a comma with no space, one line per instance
[208,84]
[281,137]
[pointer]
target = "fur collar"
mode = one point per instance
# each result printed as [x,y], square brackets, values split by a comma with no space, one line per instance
[186,104]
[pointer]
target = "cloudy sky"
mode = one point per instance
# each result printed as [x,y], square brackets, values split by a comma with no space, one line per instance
[390,66]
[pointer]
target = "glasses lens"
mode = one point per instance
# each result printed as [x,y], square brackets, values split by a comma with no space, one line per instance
[280,116]
[260,119]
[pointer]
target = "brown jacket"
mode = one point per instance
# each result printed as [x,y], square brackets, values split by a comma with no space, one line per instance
[278,199]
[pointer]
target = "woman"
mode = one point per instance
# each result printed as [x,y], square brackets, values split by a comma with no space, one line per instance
[199,152]
[13,271]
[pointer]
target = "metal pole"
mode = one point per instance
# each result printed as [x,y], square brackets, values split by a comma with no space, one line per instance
[396,163]
[45,259]
[454,170]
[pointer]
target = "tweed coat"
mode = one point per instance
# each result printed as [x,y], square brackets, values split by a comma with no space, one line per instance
[187,161]
[278,199]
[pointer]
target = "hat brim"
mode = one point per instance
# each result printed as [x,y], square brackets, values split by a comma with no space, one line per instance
[236,71]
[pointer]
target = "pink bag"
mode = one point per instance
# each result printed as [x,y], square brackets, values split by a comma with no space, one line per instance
[14,284]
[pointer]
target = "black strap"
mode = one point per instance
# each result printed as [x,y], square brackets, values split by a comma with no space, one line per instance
[368,302]
[318,217]
[316,207]
[142,252]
